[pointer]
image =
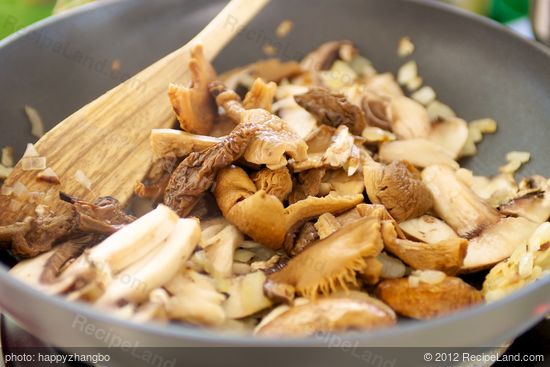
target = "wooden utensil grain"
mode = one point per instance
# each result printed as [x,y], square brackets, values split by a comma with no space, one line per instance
[108,139]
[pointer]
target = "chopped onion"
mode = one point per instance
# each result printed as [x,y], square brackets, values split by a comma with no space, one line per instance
[19,189]
[525,265]
[284,28]
[515,160]
[269,49]
[7,157]
[5,172]
[485,125]
[30,151]
[36,121]
[429,276]
[405,47]
[83,179]
[239,268]
[33,163]
[407,72]
[424,95]
[243,256]
[392,268]
[49,175]
[374,134]
[414,83]
[437,110]
[6,190]
[414,281]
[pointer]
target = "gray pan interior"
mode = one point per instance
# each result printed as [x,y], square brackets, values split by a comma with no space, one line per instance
[476,66]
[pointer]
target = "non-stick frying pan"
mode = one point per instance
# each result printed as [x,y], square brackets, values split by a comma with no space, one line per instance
[475,65]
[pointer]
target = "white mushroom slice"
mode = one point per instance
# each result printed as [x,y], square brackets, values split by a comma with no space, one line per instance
[419,152]
[450,134]
[384,85]
[407,72]
[427,229]
[515,160]
[246,296]
[496,190]
[534,206]
[392,268]
[424,95]
[437,110]
[456,204]
[176,143]
[297,118]
[135,283]
[409,119]
[195,300]
[497,243]
[219,251]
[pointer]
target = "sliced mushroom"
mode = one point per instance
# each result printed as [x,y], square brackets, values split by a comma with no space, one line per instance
[194,106]
[497,242]
[324,56]
[245,207]
[419,152]
[426,301]
[532,203]
[274,182]
[384,85]
[297,118]
[260,95]
[308,184]
[456,204]
[446,255]
[333,262]
[451,134]
[246,295]
[326,225]
[409,119]
[398,188]
[496,190]
[427,229]
[219,250]
[332,314]
[270,70]
[377,109]
[332,109]
[176,143]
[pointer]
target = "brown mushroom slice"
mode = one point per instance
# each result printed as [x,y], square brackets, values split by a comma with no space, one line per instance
[446,256]
[176,143]
[427,229]
[324,56]
[243,206]
[451,134]
[260,95]
[419,152]
[274,182]
[384,85]
[196,173]
[398,188]
[329,315]
[532,203]
[409,119]
[425,301]
[308,184]
[497,242]
[332,109]
[456,204]
[194,106]
[332,263]
[377,109]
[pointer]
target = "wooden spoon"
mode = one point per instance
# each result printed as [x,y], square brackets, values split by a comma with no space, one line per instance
[108,139]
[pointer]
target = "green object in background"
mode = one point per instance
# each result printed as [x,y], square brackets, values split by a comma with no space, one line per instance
[506,11]
[17,14]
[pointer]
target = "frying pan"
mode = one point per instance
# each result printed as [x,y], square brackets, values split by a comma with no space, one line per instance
[476,66]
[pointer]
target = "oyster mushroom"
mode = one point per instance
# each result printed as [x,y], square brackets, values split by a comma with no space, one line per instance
[308,184]
[427,229]
[451,134]
[219,250]
[332,262]
[446,256]
[398,187]
[384,85]
[456,204]
[194,106]
[270,70]
[330,314]
[332,109]
[246,295]
[409,119]
[260,95]
[273,138]
[419,152]
[342,183]
[176,143]
[424,300]
[245,207]
[497,190]
[325,55]
[274,182]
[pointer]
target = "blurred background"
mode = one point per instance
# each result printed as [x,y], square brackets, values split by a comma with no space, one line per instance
[24,12]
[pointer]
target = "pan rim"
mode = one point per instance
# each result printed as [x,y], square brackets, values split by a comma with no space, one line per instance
[212,337]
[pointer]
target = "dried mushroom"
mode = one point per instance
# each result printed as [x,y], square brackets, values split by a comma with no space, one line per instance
[427,229]
[331,314]
[325,55]
[398,187]
[245,207]
[274,182]
[194,106]
[425,300]
[331,263]
[176,143]
[409,119]
[260,95]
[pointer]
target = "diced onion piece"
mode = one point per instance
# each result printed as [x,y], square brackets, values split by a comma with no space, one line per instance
[33,163]
[407,72]
[430,276]
[486,125]
[414,281]
[405,47]
[7,157]
[30,151]
[284,28]
[476,129]
[243,256]
[525,265]
[374,134]
[36,121]
[6,190]
[414,83]
[268,49]
[437,110]
[15,205]
[19,189]
[339,76]
[5,172]
[49,175]
[515,160]
[392,268]
[539,237]
[83,179]
[424,95]
[362,66]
